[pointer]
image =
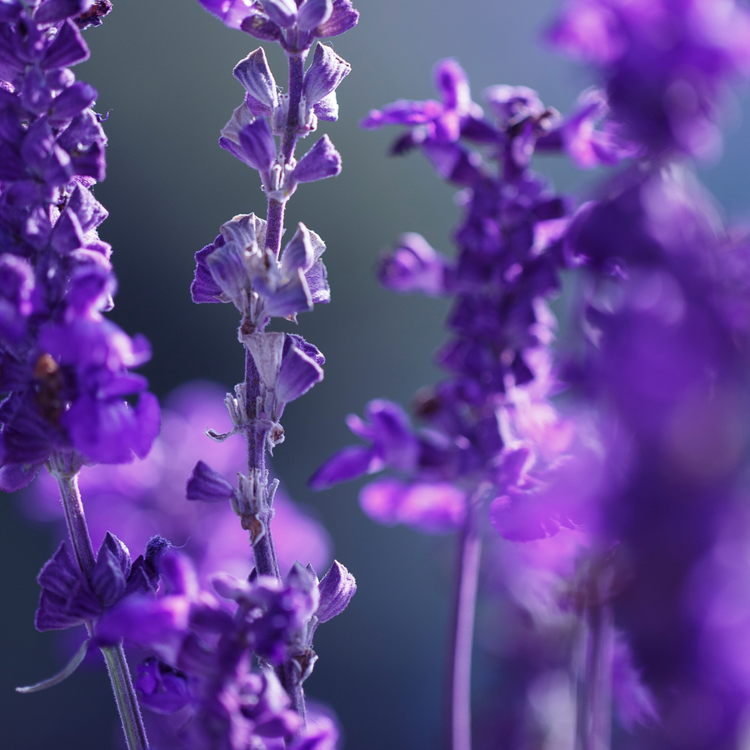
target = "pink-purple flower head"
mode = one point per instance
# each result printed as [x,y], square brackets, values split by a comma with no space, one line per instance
[292,23]
[666,64]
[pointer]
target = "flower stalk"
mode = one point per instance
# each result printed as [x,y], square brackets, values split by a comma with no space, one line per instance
[114,656]
[458,683]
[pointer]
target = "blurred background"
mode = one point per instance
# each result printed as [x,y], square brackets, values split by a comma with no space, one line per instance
[163,71]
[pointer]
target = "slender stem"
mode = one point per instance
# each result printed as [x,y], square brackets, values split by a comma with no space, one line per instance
[125,697]
[594,692]
[117,665]
[296,81]
[276,208]
[264,552]
[275,225]
[458,694]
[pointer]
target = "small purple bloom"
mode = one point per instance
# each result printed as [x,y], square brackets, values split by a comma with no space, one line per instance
[414,266]
[321,161]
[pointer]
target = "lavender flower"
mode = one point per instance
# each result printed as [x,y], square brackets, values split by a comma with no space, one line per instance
[202,648]
[245,265]
[65,368]
[666,65]
[69,395]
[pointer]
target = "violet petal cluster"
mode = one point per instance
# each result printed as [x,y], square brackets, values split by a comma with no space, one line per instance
[202,650]
[65,368]
[666,65]
[69,598]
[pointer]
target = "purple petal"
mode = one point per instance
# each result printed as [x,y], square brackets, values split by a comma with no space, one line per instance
[230,12]
[207,485]
[60,573]
[66,234]
[453,84]
[349,463]
[71,102]
[313,13]
[281,12]
[256,77]
[204,287]
[289,299]
[380,500]
[258,144]
[9,10]
[227,267]
[298,253]
[312,351]
[261,27]
[433,508]
[321,161]
[159,624]
[111,570]
[35,95]
[324,74]
[337,588]
[161,688]
[317,282]
[413,267]
[343,17]
[327,108]
[88,210]
[392,435]
[403,112]
[17,476]
[66,49]
[54,11]
[297,375]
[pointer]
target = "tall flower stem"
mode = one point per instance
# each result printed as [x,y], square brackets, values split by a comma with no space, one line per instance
[276,207]
[458,693]
[264,553]
[594,690]
[114,656]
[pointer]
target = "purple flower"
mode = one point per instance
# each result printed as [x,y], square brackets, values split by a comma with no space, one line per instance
[202,649]
[667,95]
[69,598]
[161,688]
[236,269]
[65,368]
[281,20]
[393,443]
[435,122]
[413,266]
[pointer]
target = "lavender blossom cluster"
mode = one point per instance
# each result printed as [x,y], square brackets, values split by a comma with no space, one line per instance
[596,486]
